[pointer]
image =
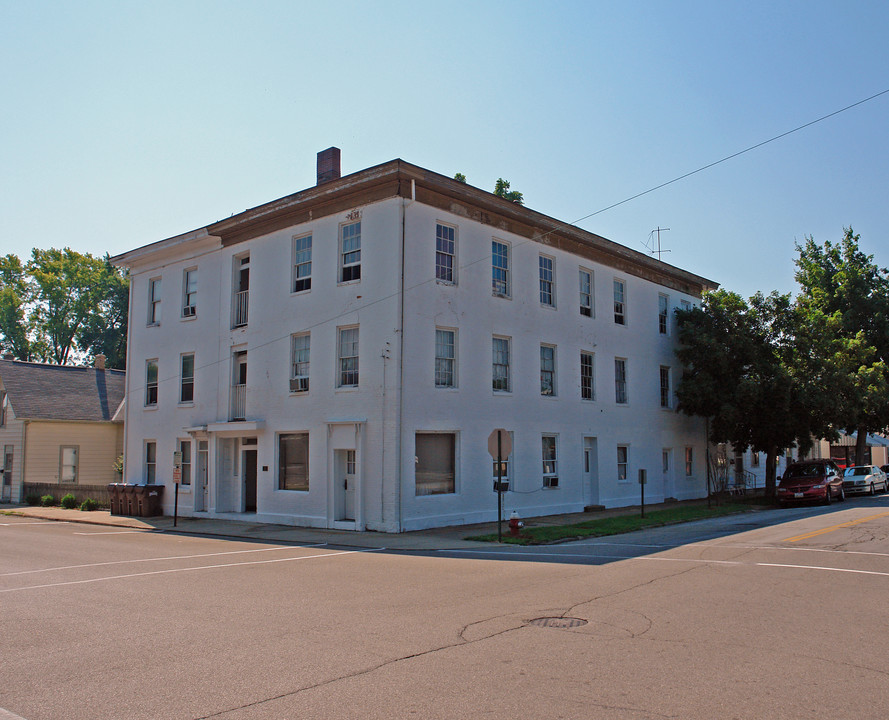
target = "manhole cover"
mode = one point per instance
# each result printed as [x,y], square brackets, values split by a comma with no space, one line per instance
[561,623]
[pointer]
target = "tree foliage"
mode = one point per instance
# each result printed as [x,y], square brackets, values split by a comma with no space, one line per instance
[501,189]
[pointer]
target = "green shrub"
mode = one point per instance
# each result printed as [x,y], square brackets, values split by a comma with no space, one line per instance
[69,502]
[89,505]
[47,501]
[33,499]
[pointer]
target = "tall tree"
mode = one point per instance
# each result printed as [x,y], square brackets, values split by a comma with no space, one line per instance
[501,189]
[105,331]
[14,295]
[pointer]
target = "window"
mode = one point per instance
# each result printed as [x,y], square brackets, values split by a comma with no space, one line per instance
[299,362]
[620,381]
[547,370]
[184,447]
[665,386]
[500,366]
[587,386]
[302,263]
[293,461]
[348,357]
[665,461]
[550,461]
[685,304]
[150,467]
[445,376]
[547,281]
[620,302]
[623,461]
[242,290]
[505,466]
[435,463]
[189,292]
[689,461]
[586,292]
[754,459]
[445,252]
[68,463]
[186,378]
[500,268]
[154,301]
[350,252]
[662,304]
[151,382]
[4,406]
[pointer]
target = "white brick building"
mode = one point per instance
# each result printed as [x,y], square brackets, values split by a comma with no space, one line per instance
[338,358]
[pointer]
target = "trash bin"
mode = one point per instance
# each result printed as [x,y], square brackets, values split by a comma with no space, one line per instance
[114,496]
[128,500]
[148,500]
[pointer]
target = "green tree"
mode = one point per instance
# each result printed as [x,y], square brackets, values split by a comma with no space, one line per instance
[14,296]
[105,331]
[501,189]
[460,177]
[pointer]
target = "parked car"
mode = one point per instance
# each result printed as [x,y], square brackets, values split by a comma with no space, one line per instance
[811,481]
[864,479]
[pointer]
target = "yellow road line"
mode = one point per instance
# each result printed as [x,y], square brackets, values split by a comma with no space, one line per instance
[815,533]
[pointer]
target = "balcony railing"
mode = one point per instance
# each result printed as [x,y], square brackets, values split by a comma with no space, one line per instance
[241,302]
[239,402]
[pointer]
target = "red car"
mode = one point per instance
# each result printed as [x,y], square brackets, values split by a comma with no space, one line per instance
[811,480]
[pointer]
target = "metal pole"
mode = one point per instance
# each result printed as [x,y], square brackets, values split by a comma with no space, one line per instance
[642,485]
[176,506]
[499,489]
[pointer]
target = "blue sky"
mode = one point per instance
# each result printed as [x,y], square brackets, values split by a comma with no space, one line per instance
[123,123]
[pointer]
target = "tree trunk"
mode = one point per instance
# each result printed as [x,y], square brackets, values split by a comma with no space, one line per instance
[771,470]
[861,446]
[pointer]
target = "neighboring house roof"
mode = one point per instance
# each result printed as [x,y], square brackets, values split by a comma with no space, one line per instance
[62,392]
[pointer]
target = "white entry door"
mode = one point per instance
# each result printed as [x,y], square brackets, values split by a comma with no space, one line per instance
[349,485]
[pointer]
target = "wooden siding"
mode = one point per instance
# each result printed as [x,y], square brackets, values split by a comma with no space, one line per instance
[99,444]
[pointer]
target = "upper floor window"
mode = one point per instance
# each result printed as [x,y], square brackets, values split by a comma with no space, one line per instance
[189,292]
[620,302]
[500,364]
[500,268]
[154,301]
[299,362]
[151,382]
[302,263]
[586,292]
[685,304]
[445,252]
[547,370]
[242,290]
[665,386]
[663,303]
[620,381]
[4,405]
[350,252]
[547,281]
[587,385]
[186,382]
[445,358]
[348,357]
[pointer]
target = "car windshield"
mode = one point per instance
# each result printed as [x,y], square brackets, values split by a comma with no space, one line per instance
[805,471]
[862,470]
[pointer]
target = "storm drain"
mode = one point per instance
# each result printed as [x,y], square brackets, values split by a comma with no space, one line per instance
[561,623]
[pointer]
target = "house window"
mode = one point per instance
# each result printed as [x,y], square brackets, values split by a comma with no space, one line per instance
[754,459]
[547,370]
[665,461]
[685,304]
[189,292]
[689,461]
[587,386]
[623,461]
[4,406]
[547,281]
[662,304]
[505,466]
[445,252]
[186,381]
[154,301]
[500,268]
[549,452]
[299,362]
[350,252]
[149,471]
[665,386]
[184,447]
[445,371]
[586,292]
[348,357]
[435,463]
[620,302]
[293,461]
[68,464]
[242,290]
[620,381]
[500,365]
[151,382]
[302,263]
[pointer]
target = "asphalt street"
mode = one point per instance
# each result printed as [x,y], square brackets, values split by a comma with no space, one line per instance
[778,614]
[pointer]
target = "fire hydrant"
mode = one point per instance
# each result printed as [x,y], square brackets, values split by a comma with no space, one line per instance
[515,525]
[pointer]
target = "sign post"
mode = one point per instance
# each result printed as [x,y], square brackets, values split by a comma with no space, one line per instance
[499,446]
[642,481]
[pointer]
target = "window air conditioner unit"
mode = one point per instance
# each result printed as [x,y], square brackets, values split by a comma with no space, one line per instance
[189,311]
[504,486]
[550,482]
[299,384]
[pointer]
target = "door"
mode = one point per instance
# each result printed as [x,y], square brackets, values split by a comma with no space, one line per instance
[250,481]
[6,494]
[202,489]
[591,470]
[345,485]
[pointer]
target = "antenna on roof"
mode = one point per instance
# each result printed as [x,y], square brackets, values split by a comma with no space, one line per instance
[658,251]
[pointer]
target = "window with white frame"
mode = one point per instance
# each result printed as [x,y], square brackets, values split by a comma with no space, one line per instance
[435,456]
[302,263]
[151,382]
[149,469]
[500,268]
[663,303]
[184,448]
[348,357]
[754,459]
[189,292]
[620,381]
[665,386]
[549,455]
[350,252]
[623,461]
[68,463]
[587,383]
[154,301]
[4,407]
[620,302]
[293,461]
[586,292]
[300,346]
[547,370]
[547,277]
[689,461]
[445,252]
[445,358]
[500,364]
[186,378]
[685,305]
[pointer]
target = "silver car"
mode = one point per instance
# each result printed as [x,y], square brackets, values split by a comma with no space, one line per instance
[864,479]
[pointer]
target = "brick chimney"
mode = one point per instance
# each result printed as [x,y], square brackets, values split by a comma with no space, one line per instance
[100,362]
[328,165]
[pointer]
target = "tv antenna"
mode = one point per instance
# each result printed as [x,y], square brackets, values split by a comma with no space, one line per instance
[651,250]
